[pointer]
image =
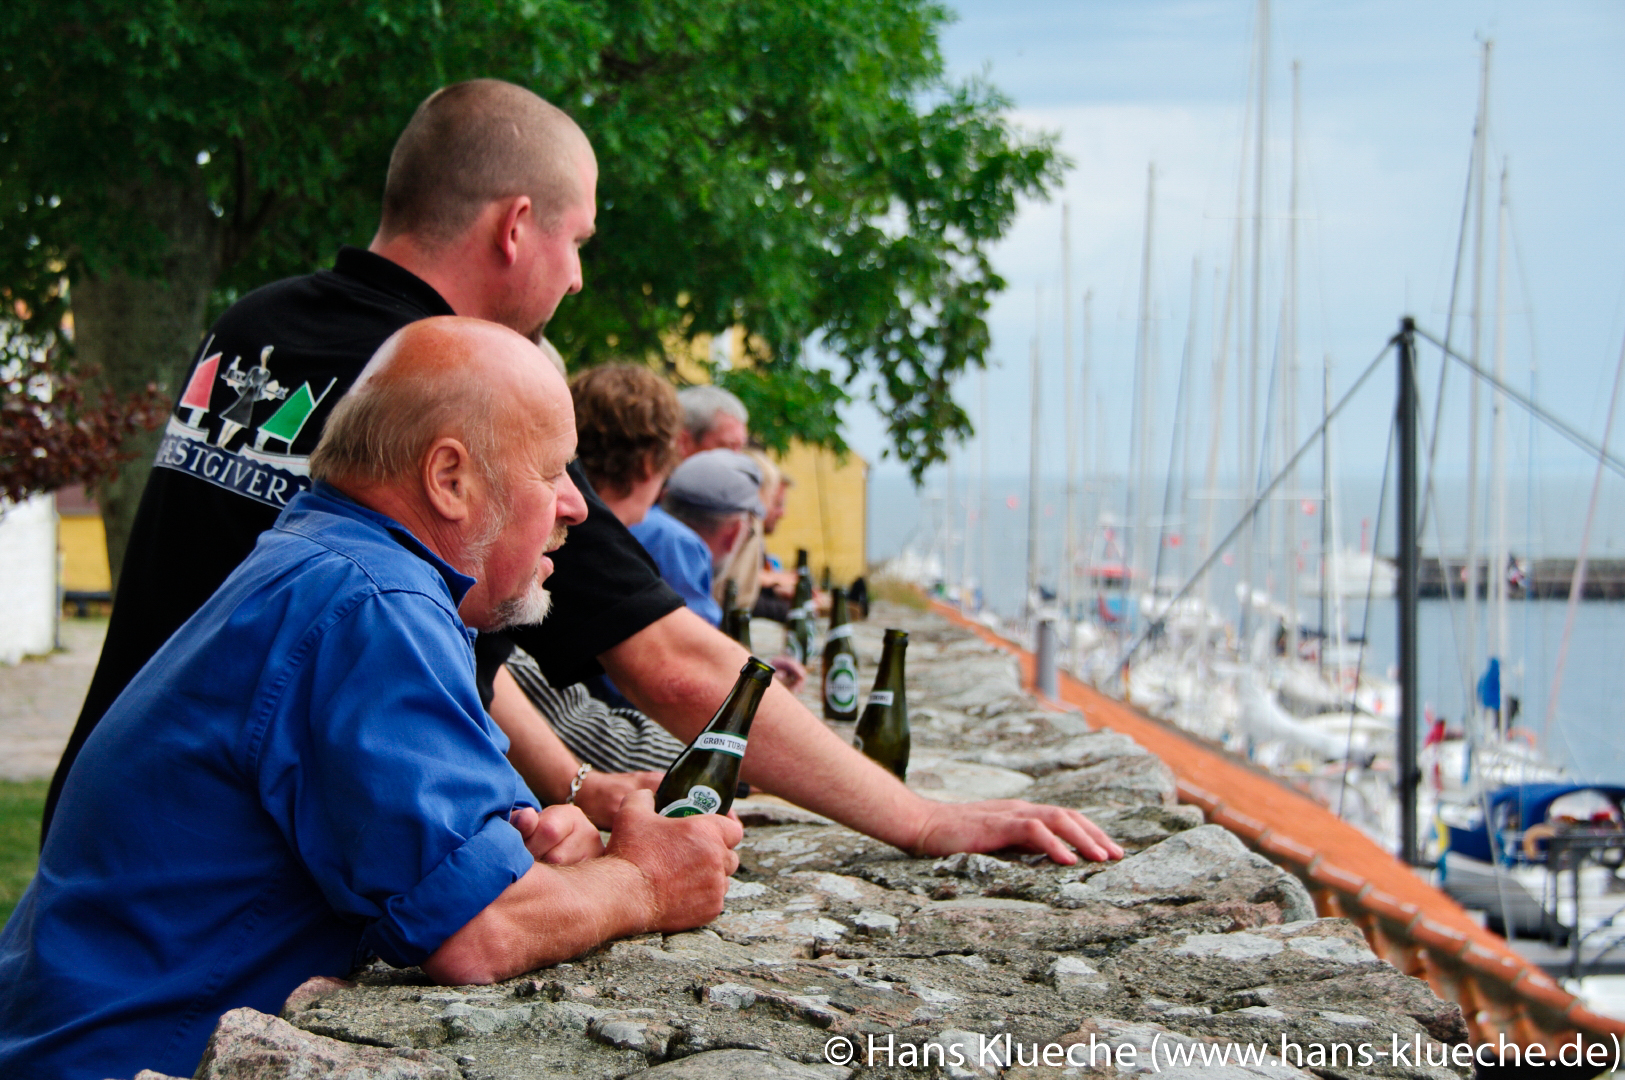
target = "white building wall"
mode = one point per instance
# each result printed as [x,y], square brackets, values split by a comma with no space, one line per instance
[28,560]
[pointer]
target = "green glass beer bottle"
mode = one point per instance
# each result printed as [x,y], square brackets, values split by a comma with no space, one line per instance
[840,664]
[882,733]
[705,775]
[730,596]
[741,627]
[800,626]
[736,624]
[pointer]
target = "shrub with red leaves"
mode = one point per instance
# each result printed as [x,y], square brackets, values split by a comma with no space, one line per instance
[51,434]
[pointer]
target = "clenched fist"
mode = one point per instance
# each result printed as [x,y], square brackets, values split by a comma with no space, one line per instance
[685,862]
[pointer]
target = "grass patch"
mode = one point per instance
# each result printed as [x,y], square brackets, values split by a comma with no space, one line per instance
[905,593]
[21,807]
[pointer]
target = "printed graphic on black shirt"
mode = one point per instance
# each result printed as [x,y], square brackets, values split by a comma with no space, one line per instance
[248,445]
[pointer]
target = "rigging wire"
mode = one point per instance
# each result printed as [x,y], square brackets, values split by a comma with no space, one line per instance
[1251,510]
[1563,428]
[1365,614]
[1529,496]
[1430,498]
[1450,314]
[1577,584]
[1178,439]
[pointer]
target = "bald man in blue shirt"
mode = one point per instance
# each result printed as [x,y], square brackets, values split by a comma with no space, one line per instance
[303,777]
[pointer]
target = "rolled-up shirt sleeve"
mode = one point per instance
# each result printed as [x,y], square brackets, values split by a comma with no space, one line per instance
[389,781]
[415,923]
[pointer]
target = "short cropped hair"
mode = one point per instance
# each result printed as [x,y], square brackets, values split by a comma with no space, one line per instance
[380,430]
[472,143]
[701,405]
[626,417]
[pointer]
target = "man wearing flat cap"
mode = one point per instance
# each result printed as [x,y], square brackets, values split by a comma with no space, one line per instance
[702,517]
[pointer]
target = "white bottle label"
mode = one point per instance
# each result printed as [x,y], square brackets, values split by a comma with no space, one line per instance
[722,742]
[842,631]
[701,800]
[841,684]
[880,697]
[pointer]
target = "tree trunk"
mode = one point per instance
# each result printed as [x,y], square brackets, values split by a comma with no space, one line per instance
[142,328]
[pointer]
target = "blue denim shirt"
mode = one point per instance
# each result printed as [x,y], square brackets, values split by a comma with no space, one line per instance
[684,561]
[300,778]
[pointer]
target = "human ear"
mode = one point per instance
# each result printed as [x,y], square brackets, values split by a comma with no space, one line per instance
[517,216]
[447,472]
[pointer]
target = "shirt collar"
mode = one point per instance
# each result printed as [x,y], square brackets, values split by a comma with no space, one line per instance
[335,501]
[390,277]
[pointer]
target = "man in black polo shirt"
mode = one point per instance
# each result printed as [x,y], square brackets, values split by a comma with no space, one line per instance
[489,196]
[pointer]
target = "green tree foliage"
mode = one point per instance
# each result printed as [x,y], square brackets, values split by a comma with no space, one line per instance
[799,167]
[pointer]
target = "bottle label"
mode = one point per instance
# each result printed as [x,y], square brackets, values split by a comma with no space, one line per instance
[880,697]
[841,684]
[700,800]
[722,742]
[805,611]
[839,632]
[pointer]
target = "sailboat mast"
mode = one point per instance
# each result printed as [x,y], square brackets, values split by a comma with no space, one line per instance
[1250,464]
[1144,380]
[1069,557]
[1500,624]
[1289,382]
[1210,474]
[1325,504]
[1179,444]
[947,530]
[1329,522]
[1091,466]
[1221,354]
[981,500]
[1033,460]
[1473,406]
[1405,538]
[965,547]
[1188,377]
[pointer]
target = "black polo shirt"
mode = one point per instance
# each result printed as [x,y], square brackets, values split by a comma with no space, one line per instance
[248,415]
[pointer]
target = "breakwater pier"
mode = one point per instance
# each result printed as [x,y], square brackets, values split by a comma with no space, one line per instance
[1546,579]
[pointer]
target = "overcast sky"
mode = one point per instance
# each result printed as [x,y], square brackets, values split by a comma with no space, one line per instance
[1388,99]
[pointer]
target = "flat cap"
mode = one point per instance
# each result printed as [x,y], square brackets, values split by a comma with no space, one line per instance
[718,482]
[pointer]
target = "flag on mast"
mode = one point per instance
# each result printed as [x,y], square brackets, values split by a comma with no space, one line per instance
[199,389]
[286,423]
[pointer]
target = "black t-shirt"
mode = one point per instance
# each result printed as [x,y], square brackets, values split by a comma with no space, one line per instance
[249,413]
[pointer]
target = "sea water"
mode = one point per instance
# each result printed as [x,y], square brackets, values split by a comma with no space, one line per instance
[1587,730]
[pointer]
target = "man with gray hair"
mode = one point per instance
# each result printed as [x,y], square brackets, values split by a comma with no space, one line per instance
[712,419]
[304,776]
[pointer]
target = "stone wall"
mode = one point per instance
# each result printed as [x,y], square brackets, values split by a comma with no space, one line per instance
[837,955]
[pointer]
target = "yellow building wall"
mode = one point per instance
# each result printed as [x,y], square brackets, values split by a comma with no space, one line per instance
[83,543]
[827,513]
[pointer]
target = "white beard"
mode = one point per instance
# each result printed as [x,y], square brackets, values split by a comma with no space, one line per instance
[526,610]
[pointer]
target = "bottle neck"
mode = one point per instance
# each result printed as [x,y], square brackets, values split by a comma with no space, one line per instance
[739,710]
[890,674]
